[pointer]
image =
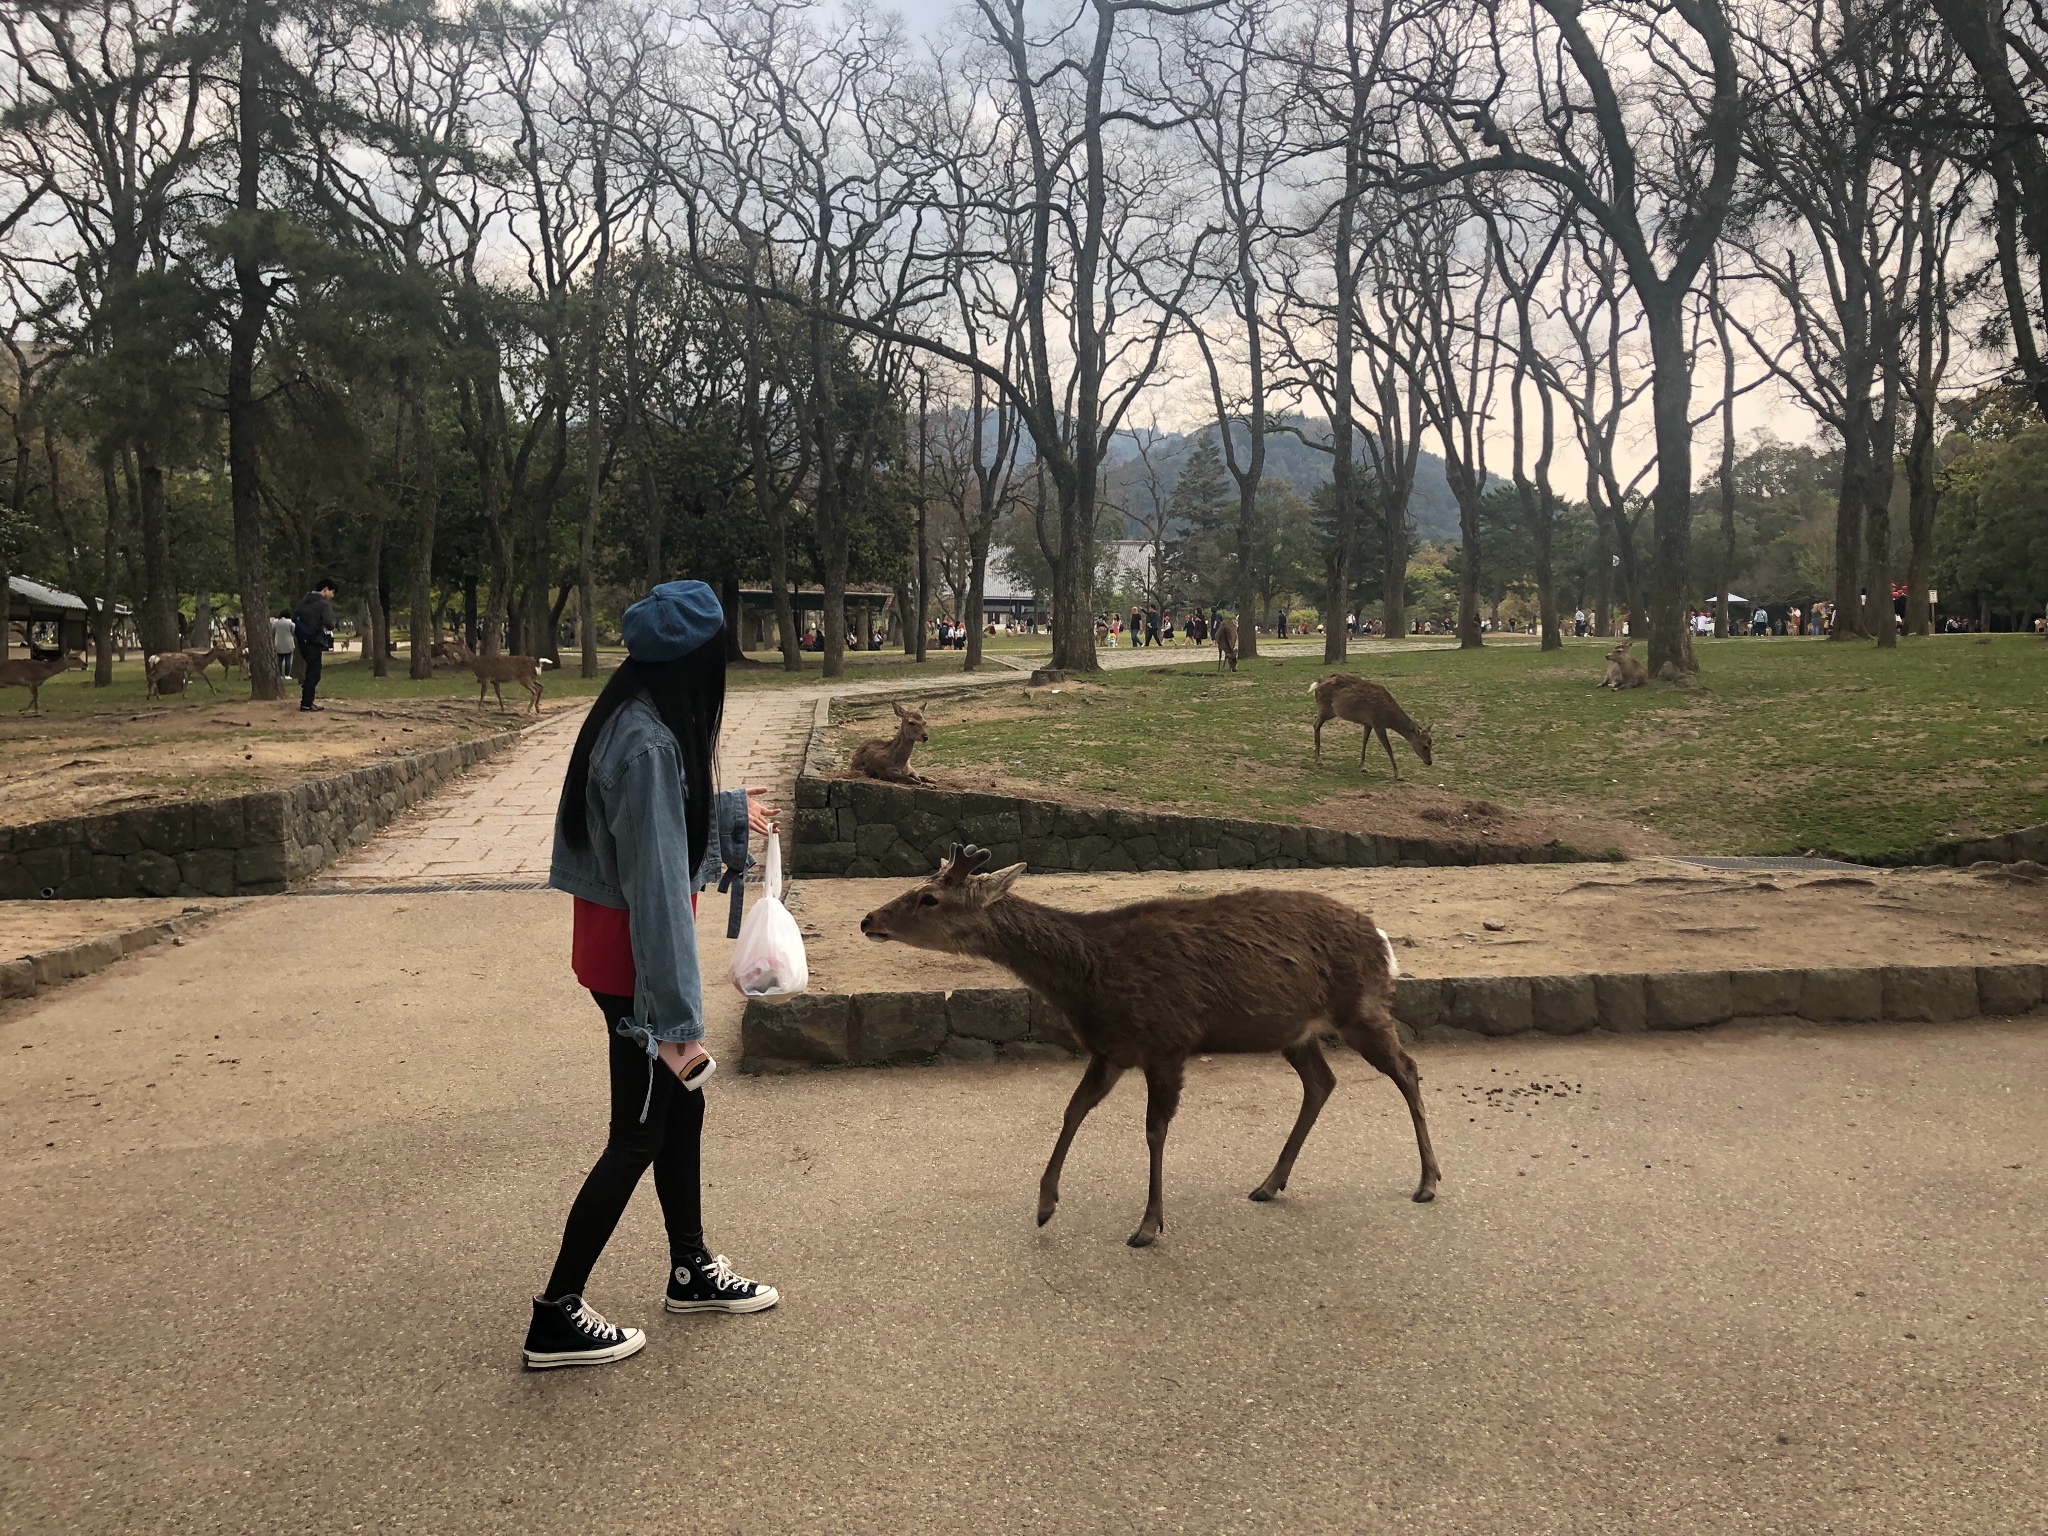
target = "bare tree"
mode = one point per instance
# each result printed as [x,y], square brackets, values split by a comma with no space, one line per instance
[1638,119]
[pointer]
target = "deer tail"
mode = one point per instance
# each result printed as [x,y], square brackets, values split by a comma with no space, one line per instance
[545,663]
[1387,944]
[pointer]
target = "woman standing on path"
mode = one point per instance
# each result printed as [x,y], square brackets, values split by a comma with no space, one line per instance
[638,832]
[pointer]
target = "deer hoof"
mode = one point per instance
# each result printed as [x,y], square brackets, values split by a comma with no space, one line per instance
[1045,1213]
[1424,1196]
[1262,1194]
[1142,1239]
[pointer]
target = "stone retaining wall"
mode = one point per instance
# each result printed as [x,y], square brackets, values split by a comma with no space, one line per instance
[2006,848]
[988,1023]
[247,845]
[857,827]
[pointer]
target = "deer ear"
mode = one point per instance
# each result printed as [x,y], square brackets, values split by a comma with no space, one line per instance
[899,711]
[988,888]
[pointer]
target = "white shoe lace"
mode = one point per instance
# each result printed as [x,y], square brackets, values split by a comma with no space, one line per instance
[721,1276]
[587,1318]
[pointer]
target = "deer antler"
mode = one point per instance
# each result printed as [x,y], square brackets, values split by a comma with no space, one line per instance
[962,862]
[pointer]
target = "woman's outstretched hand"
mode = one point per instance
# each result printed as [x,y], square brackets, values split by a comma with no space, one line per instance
[761,817]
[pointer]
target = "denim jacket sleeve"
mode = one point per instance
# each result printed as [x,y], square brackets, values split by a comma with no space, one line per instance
[644,810]
[729,846]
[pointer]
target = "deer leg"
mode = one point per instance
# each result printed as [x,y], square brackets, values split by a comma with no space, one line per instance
[1319,736]
[1372,1036]
[1162,1098]
[1094,1086]
[1390,750]
[1316,1082]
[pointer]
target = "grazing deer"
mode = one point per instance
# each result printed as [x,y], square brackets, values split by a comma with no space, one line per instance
[888,757]
[1151,984]
[1226,644]
[1623,670]
[493,672]
[175,666]
[1343,696]
[33,674]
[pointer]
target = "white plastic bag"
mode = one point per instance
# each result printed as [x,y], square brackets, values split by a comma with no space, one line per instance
[768,956]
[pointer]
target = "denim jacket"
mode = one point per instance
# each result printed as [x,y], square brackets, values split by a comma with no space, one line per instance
[638,859]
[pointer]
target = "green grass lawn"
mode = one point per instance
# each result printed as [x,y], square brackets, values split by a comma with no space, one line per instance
[1782,745]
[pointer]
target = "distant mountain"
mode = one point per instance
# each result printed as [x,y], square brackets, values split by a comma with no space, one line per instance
[1432,509]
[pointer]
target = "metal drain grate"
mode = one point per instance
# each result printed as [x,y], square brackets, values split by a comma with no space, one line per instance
[1788,864]
[415,887]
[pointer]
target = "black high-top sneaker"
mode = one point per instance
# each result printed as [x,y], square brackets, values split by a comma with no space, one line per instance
[705,1284]
[567,1332]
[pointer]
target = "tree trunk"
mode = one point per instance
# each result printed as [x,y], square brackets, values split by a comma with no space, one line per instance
[1670,638]
[977,579]
[110,585]
[244,336]
[1467,492]
[786,637]
[427,495]
[160,602]
[375,642]
[734,608]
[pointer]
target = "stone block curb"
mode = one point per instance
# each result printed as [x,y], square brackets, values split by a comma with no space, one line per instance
[984,1024]
[244,845]
[53,967]
[863,829]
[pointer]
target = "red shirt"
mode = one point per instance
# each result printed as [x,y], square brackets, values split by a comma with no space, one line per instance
[601,948]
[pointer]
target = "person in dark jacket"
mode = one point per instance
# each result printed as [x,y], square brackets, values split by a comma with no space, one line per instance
[313,627]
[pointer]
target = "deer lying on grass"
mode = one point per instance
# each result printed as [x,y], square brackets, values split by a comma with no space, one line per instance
[175,666]
[888,757]
[1226,644]
[1623,670]
[33,674]
[1151,984]
[1343,696]
[493,672]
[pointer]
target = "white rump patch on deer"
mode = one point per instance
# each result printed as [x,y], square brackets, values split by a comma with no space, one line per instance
[1386,943]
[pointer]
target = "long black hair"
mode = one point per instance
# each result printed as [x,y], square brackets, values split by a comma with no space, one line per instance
[689,695]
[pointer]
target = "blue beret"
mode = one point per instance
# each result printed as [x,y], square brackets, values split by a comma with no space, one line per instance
[671,621]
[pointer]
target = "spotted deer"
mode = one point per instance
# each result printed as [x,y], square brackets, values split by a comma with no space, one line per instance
[1151,984]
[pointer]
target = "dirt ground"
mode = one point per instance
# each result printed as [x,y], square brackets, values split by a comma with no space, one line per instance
[32,927]
[1658,915]
[184,749]
[1389,808]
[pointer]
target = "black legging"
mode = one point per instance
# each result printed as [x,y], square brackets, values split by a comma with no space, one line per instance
[669,1138]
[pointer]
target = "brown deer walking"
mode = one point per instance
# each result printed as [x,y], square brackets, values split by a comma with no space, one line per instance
[175,666]
[493,672]
[1226,644]
[1151,984]
[1343,696]
[1623,670]
[230,660]
[888,757]
[33,674]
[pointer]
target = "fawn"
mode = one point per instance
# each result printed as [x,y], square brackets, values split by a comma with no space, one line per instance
[33,674]
[888,757]
[1345,697]
[1150,984]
